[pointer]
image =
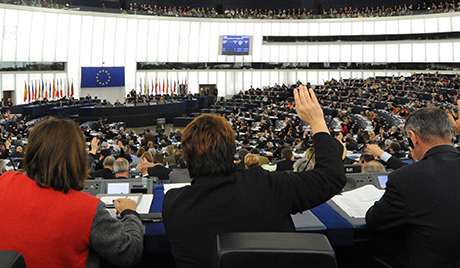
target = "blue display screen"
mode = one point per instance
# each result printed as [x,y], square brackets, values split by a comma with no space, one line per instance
[235,44]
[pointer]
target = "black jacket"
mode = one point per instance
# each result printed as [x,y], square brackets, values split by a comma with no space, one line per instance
[423,198]
[249,200]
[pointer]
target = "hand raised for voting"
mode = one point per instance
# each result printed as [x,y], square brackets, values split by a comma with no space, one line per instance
[309,110]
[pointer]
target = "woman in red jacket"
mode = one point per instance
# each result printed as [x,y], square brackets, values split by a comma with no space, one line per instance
[46,217]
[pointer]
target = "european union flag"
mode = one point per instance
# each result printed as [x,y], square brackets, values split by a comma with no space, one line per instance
[102,76]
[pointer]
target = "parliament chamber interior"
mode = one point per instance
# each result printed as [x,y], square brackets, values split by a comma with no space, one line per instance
[138,76]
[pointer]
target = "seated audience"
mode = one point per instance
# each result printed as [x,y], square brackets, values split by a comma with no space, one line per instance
[421,199]
[217,200]
[77,228]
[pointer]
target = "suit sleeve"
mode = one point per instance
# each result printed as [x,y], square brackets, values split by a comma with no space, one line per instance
[299,191]
[389,211]
[395,163]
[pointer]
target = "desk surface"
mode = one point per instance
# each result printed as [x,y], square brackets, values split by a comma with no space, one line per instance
[322,219]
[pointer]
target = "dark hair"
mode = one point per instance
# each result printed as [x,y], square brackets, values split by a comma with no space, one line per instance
[158,158]
[242,153]
[367,157]
[50,163]
[140,152]
[286,153]
[208,145]
[395,146]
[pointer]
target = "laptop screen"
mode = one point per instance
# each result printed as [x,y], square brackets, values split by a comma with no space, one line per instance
[118,188]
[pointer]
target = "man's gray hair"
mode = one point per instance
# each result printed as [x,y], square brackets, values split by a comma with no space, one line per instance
[430,124]
[121,165]
[109,161]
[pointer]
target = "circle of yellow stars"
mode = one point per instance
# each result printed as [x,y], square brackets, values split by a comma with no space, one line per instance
[108,77]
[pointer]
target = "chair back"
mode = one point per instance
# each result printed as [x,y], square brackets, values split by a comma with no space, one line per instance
[240,250]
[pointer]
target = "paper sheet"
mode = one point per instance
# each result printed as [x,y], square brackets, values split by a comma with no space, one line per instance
[356,202]
[143,207]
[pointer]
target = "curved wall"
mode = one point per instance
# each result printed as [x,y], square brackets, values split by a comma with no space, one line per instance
[84,39]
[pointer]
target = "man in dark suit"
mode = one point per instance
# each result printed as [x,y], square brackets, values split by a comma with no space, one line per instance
[422,198]
[288,160]
[107,171]
[158,170]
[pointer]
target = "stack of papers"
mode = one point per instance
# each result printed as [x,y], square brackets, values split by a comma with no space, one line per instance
[356,202]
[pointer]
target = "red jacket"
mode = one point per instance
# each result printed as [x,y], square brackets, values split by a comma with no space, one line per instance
[50,228]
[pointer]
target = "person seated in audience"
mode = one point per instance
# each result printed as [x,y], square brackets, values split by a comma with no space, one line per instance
[158,169]
[372,166]
[180,174]
[263,160]
[169,158]
[390,161]
[395,150]
[107,171]
[55,176]
[306,163]
[138,156]
[217,200]
[421,199]
[365,158]
[18,152]
[240,162]
[2,166]
[146,162]
[4,153]
[151,147]
[351,144]
[287,164]
[121,168]
[251,160]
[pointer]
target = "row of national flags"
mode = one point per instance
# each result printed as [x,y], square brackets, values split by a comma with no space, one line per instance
[50,89]
[162,86]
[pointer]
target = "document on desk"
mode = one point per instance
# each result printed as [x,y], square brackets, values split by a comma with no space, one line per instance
[356,202]
[170,186]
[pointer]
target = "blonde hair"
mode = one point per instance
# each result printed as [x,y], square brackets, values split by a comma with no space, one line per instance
[251,160]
